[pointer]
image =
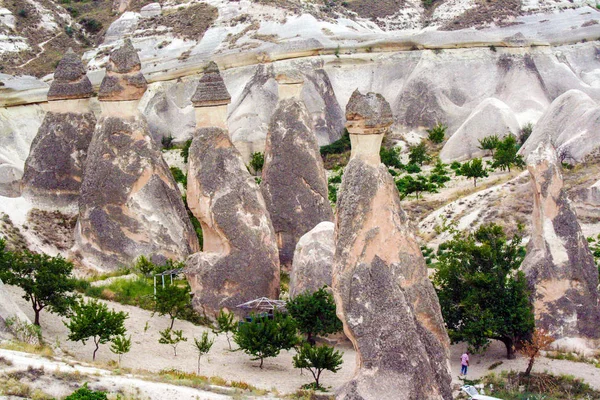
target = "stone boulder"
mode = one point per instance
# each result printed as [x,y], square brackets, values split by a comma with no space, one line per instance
[240,260]
[124,79]
[559,265]
[384,298]
[294,183]
[313,260]
[130,204]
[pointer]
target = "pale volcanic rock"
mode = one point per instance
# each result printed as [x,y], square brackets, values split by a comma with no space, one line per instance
[384,298]
[124,79]
[239,261]
[211,98]
[70,80]
[559,265]
[8,309]
[313,260]
[294,183]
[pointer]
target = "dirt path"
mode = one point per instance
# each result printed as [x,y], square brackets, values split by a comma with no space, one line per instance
[42,50]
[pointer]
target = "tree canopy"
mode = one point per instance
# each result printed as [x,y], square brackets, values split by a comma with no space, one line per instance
[474,169]
[315,314]
[506,154]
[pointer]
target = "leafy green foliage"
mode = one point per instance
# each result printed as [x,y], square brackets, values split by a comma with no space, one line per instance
[391,157]
[179,176]
[195,223]
[439,174]
[172,338]
[257,161]
[264,337]
[455,166]
[185,151]
[121,345]
[318,359]
[46,281]
[315,314]
[339,146]
[167,142]
[482,293]
[144,266]
[474,169]
[333,184]
[172,300]
[225,324]
[437,134]
[408,185]
[525,133]
[83,393]
[489,143]
[203,346]
[506,154]
[418,154]
[92,319]
[412,168]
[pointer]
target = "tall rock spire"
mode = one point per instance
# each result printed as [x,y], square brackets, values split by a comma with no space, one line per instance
[124,79]
[211,98]
[70,80]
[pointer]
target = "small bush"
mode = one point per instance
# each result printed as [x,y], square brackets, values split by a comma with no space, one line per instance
[437,134]
[23,331]
[257,162]
[167,142]
[179,176]
[91,25]
[83,393]
[339,146]
[185,151]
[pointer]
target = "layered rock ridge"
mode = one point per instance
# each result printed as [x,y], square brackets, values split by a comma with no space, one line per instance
[559,265]
[384,298]
[130,204]
[54,168]
[239,261]
[294,183]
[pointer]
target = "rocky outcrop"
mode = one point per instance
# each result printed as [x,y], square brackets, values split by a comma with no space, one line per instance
[384,298]
[123,80]
[8,309]
[211,99]
[559,265]
[240,260]
[293,184]
[55,166]
[130,204]
[313,260]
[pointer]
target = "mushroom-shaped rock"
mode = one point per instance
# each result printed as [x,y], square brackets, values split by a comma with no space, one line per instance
[384,298]
[70,80]
[313,260]
[211,99]
[294,183]
[559,265]
[240,261]
[124,79]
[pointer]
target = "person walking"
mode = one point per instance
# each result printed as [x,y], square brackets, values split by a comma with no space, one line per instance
[464,363]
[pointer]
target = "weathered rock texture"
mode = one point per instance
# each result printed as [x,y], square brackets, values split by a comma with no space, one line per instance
[211,90]
[70,80]
[124,79]
[8,309]
[240,260]
[313,260]
[559,264]
[384,298]
[130,204]
[294,183]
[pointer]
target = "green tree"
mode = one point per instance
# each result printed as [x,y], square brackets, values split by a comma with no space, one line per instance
[408,185]
[506,154]
[257,162]
[121,345]
[439,174]
[185,151]
[315,314]
[203,346]
[225,324]
[318,359]
[391,157]
[526,131]
[482,293]
[144,266]
[264,337]
[489,143]
[172,338]
[93,320]
[474,169]
[46,281]
[418,154]
[172,300]
[437,134]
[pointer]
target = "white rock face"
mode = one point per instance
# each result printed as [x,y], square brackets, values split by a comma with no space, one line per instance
[122,27]
[572,124]
[492,115]
[313,260]
[8,309]
[150,10]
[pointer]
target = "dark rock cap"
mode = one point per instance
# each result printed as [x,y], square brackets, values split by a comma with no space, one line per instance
[123,80]
[373,108]
[211,90]
[125,59]
[70,80]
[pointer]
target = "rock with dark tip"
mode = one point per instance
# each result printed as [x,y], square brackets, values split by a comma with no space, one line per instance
[294,183]
[211,90]
[559,265]
[130,204]
[384,298]
[313,260]
[124,79]
[240,260]
[368,114]
[70,80]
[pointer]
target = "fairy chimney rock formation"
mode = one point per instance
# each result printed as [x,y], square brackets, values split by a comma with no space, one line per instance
[55,166]
[384,298]
[559,265]
[130,204]
[211,99]
[239,261]
[294,183]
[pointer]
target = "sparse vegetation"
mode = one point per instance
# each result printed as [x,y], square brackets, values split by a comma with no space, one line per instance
[314,314]
[391,157]
[203,346]
[185,150]
[83,393]
[172,300]
[257,161]
[525,133]
[531,348]
[317,359]
[437,133]
[179,176]
[225,324]
[167,142]
[418,154]
[474,169]
[121,345]
[172,338]
[506,154]
[489,143]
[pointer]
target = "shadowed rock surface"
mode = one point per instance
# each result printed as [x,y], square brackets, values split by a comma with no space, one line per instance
[70,80]
[293,184]
[124,79]
[384,298]
[211,90]
[559,265]
[240,260]
[130,204]
[313,260]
